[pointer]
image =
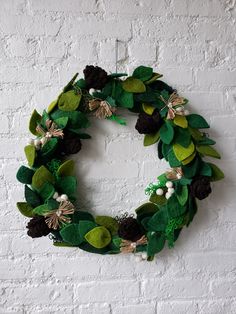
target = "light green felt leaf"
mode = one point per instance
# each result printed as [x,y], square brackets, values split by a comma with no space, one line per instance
[41,210]
[143,73]
[147,208]
[66,169]
[25,175]
[69,101]
[98,237]
[25,209]
[208,151]
[181,152]
[52,106]
[217,174]
[61,122]
[70,233]
[196,121]
[189,159]
[41,176]
[166,132]
[150,139]
[69,85]
[108,222]
[181,121]
[133,85]
[183,196]
[34,120]
[30,153]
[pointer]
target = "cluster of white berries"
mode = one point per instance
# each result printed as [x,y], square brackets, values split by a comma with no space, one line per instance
[60,198]
[141,257]
[181,111]
[38,142]
[170,190]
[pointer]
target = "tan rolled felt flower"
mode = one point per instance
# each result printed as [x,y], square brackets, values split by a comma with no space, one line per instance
[102,107]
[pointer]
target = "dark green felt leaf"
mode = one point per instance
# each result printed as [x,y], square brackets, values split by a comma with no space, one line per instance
[30,153]
[45,118]
[76,119]
[70,233]
[80,84]
[154,77]
[41,176]
[147,208]
[182,137]
[191,169]
[205,169]
[126,99]
[143,73]
[173,161]
[206,150]
[196,121]
[183,195]
[158,221]
[133,85]
[114,75]
[98,237]
[85,226]
[41,210]
[108,222]
[52,204]
[174,208]
[80,215]
[25,175]
[217,174]
[69,101]
[192,209]
[67,185]
[156,242]
[157,199]
[206,141]
[34,120]
[61,122]
[46,191]
[49,147]
[167,132]
[150,139]
[159,149]
[32,197]
[25,209]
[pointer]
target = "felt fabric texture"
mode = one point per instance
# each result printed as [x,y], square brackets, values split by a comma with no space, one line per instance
[50,182]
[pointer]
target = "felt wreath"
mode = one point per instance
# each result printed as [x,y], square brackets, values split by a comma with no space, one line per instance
[50,184]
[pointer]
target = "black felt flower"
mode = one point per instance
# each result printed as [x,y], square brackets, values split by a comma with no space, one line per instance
[37,227]
[147,124]
[129,229]
[200,187]
[70,144]
[95,77]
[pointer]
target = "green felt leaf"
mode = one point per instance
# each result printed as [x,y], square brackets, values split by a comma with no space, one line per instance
[31,197]
[173,161]
[67,185]
[69,85]
[116,241]
[181,121]
[154,77]
[84,136]
[206,150]
[80,215]
[66,169]
[174,208]
[183,195]
[45,117]
[147,208]
[108,222]
[157,199]
[156,243]
[46,191]
[69,101]
[80,84]
[30,153]
[41,210]
[133,85]
[166,150]
[52,204]
[98,237]
[150,139]
[191,169]
[189,159]
[84,227]
[195,133]
[70,233]
[192,209]
[196,121]
[181,152]
[41,176]
[85,246]
[62,122]
[52,106]
[126,99]
[166,132]
[25,209]
[158,221]
[76,119]
[49,147]
[24,175]
[163,179]
[206,141]
[217,174]
[143,73]
[205,169]
[182,137]
[114,75]
[62,244]
[34,120]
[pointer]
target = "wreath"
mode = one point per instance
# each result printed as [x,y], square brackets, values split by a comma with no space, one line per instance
[50,184]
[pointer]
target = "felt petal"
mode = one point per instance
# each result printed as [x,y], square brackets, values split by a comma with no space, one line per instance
[133,85]
[98,237]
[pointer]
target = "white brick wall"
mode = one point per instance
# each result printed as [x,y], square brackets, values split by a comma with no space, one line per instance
[42,44]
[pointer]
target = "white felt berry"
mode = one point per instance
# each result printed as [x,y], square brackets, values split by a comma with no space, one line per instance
[31,141]
[55,195]
[64,197]
[138,258]
[43,140]
[37,142]
[171,190]
[178,176]
[169,184]
[186,112]
[92,90]
[144,256]
[167,195]
[159,192]
[58,199]
[179,109]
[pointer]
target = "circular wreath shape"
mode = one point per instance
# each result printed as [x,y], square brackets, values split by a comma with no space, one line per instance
[50,184]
